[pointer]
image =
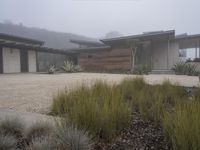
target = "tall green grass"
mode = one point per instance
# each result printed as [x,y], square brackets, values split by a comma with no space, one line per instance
[151,100]
[183,126]
[99,109]
[105,109]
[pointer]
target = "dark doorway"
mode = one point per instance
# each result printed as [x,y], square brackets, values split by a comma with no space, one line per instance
[24,60]
[1,60]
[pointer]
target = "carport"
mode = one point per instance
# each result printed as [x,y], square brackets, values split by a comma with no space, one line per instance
[189,42]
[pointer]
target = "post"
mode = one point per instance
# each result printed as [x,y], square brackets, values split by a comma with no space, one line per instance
[199,49]
[196,51]
[133,53]
[168,47]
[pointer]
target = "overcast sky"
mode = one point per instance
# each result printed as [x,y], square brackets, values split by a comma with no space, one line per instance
[95,18]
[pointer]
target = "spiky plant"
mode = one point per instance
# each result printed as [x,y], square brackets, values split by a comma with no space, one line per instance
[51,69]
[38,130]
[69,137]
[41,144]
[12,126]
[68,66]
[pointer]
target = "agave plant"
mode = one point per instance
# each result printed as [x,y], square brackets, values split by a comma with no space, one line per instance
[78,68]
[68,66]
[51,69]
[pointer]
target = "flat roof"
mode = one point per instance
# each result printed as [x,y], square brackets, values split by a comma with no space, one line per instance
[144,36]
[20,39]
[33,47]
[188,41]
[87,42]
[90,49]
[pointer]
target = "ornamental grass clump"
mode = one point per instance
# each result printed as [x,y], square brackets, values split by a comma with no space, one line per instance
[38,130]
[100,109]
[44,143]
[7,142]
[151,100]
[70,137]
[12,126]
[183,126]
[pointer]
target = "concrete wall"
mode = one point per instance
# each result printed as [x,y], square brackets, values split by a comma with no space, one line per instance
[163,58]
[173,54]
[31,61]
[159,55]
[11,60]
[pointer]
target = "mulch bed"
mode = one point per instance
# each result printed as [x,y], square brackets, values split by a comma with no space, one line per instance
[140,135]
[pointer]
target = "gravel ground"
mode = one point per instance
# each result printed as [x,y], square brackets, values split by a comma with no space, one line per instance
[34,92]
[140,135]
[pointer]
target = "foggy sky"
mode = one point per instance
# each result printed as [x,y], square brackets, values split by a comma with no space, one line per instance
[94,18]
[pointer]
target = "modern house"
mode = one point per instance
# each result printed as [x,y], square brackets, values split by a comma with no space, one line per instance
[18,54]
[158,51]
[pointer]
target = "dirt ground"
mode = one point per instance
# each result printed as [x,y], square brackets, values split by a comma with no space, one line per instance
[34,92]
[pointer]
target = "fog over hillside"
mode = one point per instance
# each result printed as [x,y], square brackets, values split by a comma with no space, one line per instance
[52,39]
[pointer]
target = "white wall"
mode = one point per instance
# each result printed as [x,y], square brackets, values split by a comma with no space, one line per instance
[163,58]
[32,61]
[173,54]
[159,56]
[11,60]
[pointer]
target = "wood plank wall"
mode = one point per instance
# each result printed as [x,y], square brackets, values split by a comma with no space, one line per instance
[115,59]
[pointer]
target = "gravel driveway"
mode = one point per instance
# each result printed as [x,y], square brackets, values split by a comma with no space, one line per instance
[34,92]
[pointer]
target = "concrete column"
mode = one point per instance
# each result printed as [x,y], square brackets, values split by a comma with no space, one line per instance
[196,50]
[199,49]
[168,49]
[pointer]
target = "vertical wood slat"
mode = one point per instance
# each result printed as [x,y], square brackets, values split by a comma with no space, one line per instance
[116,59]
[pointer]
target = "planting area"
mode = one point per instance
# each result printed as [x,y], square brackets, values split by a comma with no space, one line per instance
[102,112]
[34,92]
[133,114]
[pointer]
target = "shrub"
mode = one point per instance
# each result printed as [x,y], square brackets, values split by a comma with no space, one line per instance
[141,69]
[69,137]
[196,60]
[184,68]
[182,126]
[12,126]
[100,108]
[7,142]
[38,130]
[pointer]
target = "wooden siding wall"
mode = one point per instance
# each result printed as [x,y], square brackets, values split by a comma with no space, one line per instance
[115,59]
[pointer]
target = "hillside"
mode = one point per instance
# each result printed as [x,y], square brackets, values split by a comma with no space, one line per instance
[51,38]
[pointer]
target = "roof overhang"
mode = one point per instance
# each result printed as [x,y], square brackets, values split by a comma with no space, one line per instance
[87,42]
[151,36]
[91,49]
[189,41]
[20,39]
[34,48]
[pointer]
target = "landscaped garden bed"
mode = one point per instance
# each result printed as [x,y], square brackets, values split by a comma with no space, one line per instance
[124,116]
[106,111]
